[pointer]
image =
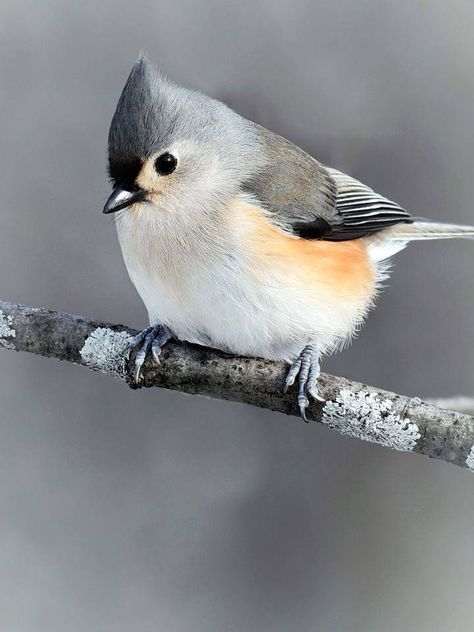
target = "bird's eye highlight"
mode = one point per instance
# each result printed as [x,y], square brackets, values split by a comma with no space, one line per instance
[165,164]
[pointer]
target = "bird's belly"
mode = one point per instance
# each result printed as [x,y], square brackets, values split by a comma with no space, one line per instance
[240,314]
[265,294]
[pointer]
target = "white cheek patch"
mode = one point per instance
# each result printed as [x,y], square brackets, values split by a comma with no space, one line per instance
[105,350]
[366,416]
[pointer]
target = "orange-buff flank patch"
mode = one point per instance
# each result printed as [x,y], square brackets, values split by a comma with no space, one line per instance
[342,268]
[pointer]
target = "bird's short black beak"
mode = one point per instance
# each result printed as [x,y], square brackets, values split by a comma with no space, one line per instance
[120,198]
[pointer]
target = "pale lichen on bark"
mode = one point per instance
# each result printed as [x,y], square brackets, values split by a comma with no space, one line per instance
[351,408]
[365,416]
[105,350]
[6,331]
[470,459]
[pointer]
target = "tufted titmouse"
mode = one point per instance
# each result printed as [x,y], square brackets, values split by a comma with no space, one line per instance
[237,239]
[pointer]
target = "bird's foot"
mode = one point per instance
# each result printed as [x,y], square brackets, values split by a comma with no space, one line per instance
[149,340]
[307,368]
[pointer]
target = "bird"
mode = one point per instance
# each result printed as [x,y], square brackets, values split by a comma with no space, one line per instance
[237,239]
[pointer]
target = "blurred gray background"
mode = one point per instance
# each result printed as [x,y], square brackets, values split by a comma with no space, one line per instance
[151,511]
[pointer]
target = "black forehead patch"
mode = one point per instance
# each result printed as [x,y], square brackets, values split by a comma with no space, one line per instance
[124,172]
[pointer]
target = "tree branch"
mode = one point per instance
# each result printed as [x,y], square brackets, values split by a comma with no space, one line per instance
[354,409]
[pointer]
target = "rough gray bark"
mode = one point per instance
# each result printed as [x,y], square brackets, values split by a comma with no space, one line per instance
[352,408]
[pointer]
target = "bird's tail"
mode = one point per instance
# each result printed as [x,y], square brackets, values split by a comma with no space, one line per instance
[426,229]
[388,242]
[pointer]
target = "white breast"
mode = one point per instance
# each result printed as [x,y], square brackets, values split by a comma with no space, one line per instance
[200,283]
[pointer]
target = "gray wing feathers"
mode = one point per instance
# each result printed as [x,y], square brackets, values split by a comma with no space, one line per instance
[291,184]
[316,202]
[361,209]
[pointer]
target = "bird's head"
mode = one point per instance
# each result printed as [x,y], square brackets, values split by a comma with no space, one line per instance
[175,149]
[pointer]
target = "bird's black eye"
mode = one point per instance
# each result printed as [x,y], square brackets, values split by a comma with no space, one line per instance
[165,164]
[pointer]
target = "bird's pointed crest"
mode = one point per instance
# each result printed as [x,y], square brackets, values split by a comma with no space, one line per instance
[153,113]
[141,111]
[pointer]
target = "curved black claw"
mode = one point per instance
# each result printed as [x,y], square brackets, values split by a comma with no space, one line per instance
[307,368]
[150,339]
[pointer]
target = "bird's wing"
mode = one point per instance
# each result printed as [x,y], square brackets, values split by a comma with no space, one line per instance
[316,202]
[360,210]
